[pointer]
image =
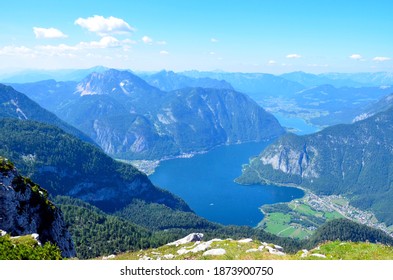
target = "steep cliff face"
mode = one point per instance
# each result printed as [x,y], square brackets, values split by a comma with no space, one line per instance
[352,160]
[25,209]
[130,119]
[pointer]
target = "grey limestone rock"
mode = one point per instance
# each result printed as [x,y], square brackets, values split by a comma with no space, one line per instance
[24,209]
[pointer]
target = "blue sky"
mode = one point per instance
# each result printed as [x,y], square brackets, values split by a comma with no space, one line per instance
[271,36]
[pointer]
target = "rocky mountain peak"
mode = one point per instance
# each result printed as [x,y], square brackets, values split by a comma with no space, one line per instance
[113,81]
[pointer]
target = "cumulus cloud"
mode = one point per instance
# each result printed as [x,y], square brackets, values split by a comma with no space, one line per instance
[272,62]
[147,40]
[48,33]
[356,56]
[164,53]
[104,26]
[293,55]
[381,58]
[214,40]
[161,43]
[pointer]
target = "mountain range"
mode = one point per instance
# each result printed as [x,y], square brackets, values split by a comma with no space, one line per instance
[167,114]
[169,80]
[131,119]
[336,105]
[257,85]
[341,79]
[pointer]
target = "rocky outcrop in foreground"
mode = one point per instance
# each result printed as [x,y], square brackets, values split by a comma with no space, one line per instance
[25,209]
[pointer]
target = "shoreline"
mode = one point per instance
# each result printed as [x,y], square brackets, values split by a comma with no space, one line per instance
[308,193]
[148,166]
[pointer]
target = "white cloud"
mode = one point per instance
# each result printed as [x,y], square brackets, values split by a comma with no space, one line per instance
[57,48]
[164,52]
[67,50]
[212,53]
[294,55]
[12,50]
[381,58]
[214,40]
[104,26]
[356,56]
[147,40]
[272,62]
[105,42]
[161,43]
[48,33]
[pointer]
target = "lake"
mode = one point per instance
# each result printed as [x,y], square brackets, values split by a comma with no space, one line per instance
[205,182]
[299,125]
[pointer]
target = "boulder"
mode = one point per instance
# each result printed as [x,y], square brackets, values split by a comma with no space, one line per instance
[318,256]
[246,240]
[279,248]
[189,238]
[252,250]
[215,252]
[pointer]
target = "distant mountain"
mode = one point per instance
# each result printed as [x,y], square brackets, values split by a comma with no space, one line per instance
[129,118]
[381,105]
[48,93]
[25,210]
[338,105]
[370,79]
[351,160]
[257,85]
[65,165]
[169,80]
[312,80]
[29,76]
[14,104]
[367,79]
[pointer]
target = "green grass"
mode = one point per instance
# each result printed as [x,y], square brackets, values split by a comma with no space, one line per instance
[354,251]
[237,251]
[333,215]
[340,201]
[276,222]
[297,220]
[305,209]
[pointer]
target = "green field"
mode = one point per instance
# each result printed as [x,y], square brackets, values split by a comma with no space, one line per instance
[296,219]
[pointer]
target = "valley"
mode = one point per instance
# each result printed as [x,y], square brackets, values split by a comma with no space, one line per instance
[193,142]
[196,130]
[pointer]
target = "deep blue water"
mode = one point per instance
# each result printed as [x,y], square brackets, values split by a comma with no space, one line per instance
[205,182]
